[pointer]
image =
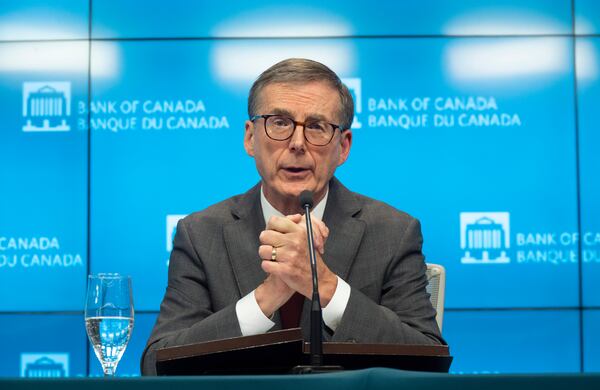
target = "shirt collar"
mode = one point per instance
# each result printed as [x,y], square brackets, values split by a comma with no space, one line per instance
[270,211]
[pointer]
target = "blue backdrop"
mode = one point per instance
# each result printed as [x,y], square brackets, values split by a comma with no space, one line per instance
[479,118]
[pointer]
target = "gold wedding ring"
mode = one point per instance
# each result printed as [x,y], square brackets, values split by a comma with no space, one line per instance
[274,254]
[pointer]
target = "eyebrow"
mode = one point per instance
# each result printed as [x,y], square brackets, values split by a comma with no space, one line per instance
[284,112]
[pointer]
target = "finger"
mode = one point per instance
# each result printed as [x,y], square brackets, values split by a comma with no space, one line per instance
[271,267]
[265,252]
[318,240]
[321,225]
[320,233]
[300,282]
[282,225]
[286,272]
[296,218]
[271,237]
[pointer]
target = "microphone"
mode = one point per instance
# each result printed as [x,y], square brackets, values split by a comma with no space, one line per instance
[306,199]
[316,321]
[316,317]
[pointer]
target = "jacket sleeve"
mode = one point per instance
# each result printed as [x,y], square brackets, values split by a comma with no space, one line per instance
[186,313]
[403,313]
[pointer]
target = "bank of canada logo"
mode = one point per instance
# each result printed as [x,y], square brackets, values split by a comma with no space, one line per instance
[485,237]
[172,220]
[46,105]
[44,365]
[355,87]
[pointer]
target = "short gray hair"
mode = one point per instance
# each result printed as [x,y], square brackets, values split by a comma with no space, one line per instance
[301,70]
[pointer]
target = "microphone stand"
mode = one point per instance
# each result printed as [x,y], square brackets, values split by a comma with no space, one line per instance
[316,317]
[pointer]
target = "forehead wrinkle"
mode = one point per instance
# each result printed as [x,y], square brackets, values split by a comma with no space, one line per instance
[308,117]
[288,95]
[316,117]
[281,111]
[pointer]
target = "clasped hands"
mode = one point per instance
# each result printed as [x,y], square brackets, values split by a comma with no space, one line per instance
[291,271]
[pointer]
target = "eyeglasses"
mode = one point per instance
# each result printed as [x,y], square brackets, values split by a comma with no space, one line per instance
[280,128]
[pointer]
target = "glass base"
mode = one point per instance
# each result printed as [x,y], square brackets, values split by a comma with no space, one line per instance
[109,369]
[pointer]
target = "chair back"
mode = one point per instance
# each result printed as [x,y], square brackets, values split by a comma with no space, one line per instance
[436,286]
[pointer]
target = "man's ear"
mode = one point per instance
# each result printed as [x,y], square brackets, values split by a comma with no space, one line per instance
[249,138]
[345,144]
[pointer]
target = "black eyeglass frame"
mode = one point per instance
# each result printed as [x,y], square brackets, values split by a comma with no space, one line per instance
[296,123]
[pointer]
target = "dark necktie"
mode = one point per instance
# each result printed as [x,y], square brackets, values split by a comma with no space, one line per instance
[291,311]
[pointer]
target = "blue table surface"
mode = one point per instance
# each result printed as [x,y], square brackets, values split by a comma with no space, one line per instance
[380,378]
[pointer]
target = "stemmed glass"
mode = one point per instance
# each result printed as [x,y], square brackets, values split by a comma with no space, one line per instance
[109,317]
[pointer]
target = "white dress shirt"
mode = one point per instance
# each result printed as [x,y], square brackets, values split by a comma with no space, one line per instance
[251,318]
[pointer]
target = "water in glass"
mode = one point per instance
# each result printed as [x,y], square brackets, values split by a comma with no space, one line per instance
[109,318]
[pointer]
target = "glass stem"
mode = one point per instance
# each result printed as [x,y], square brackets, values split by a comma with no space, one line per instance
[109,370]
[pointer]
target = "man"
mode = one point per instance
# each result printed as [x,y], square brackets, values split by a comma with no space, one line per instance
[241,266]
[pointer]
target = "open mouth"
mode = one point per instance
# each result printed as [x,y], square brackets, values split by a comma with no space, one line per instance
[295,169]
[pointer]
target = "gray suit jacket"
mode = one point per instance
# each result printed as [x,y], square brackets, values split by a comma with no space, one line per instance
[372,246]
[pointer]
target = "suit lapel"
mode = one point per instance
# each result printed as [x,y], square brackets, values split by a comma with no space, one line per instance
[345,231]
[241,240]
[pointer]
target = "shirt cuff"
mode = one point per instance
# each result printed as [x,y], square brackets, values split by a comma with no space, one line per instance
[250,317]
[332,314]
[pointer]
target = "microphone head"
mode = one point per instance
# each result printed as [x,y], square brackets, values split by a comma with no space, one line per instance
[306,199]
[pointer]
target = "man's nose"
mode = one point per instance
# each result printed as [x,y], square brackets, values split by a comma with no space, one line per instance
[297,141]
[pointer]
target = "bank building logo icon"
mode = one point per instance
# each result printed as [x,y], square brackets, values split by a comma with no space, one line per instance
[172,220]
[44,365]
[355,87]
[46,106]
[485,237]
